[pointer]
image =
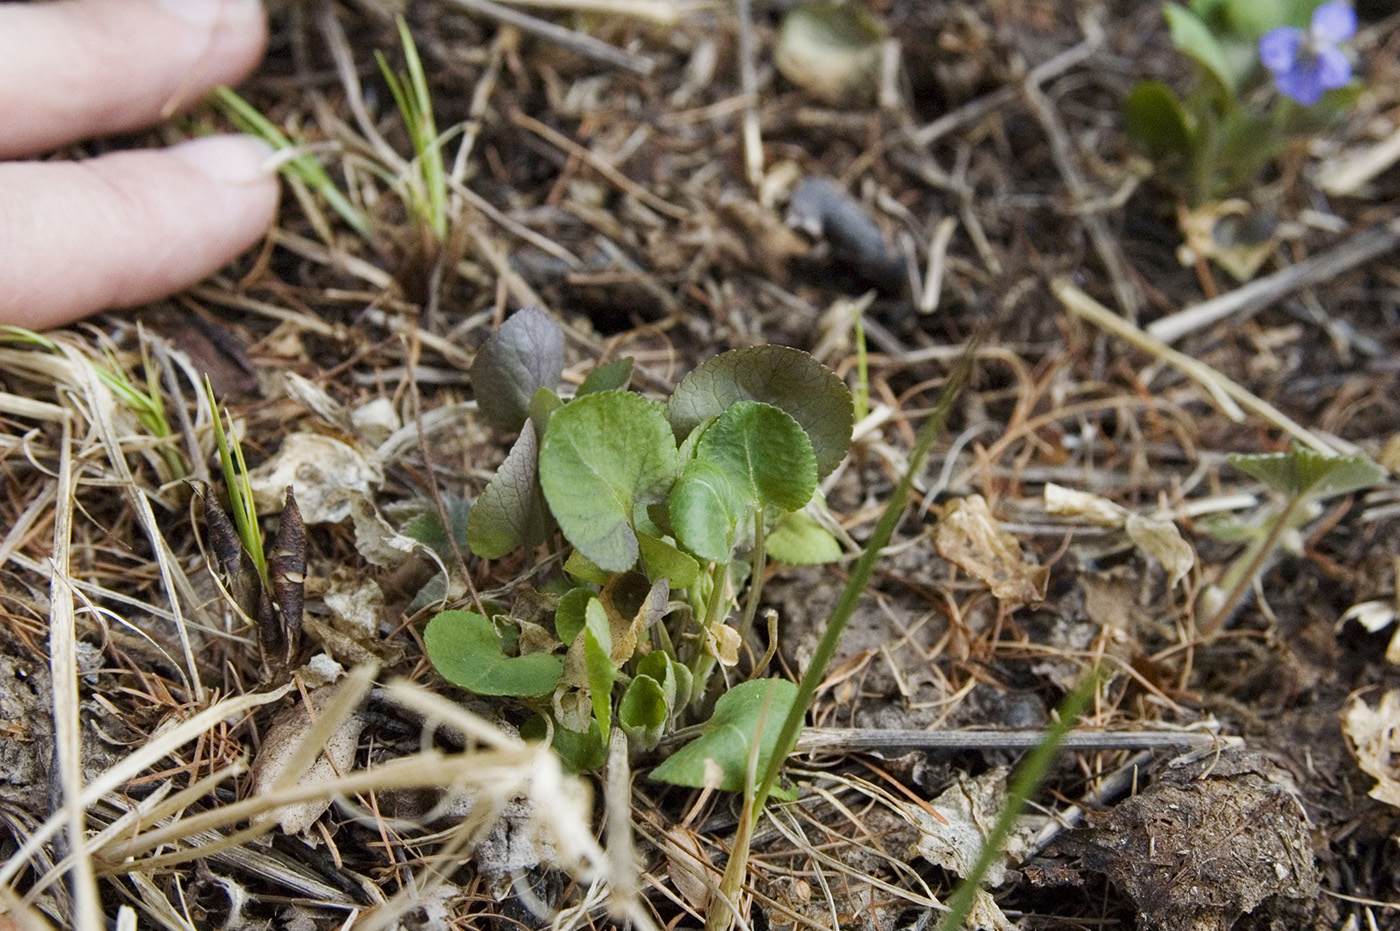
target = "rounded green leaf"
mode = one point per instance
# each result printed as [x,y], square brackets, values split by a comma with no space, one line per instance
[1301,471]
[798,540]
[597,657]
[570,615]
[1193,38]
[705,509]
[611,377]
[525,354]
[752,712]
[664,561]
[786,378]
[765,452]
[642,712]
[1156,119]
[603,456]
[465,649]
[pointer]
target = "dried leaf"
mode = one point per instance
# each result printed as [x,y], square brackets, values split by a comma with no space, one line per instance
[970,537]
[1161,540]
[286,567]
[325,473]
[279,749]
[375,540]
[1070,502]
[722,642]
[236,568]
[689,868]
[1374,734]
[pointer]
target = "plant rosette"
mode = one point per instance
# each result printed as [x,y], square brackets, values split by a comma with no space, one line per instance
[663,517]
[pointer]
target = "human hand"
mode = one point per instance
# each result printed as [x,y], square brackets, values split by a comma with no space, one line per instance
[133,226]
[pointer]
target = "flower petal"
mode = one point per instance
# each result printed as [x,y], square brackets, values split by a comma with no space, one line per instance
[1333,68]
[1278,48]
[1300,84]
[1333,23]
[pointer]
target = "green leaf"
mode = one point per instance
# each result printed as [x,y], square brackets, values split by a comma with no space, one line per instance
[543,404]
[603,456]
[1156,119]
[1253,18]
[597,655]
[642,712]
[524,355]
[428,529]
[614,376]
[580,567]
[580,753]
[664,561]
[798,540]
[705,509]
[1302,472]
[1194,39]
[675,678]
[748,714]
[511,511]
[786,378]
[466,650]
[765,452]
[571,613]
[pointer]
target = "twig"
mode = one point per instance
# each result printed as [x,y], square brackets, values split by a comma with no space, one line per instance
[857,738]
[975,109]
[748,86]
[574,41]
[1259,294]
[1062,152]
[1222,390]
[658,11]
[618,179]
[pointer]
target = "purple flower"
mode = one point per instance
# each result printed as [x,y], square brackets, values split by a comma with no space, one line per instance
[1308,64]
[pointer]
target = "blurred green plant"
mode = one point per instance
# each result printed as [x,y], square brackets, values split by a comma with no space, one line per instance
[1213,143]
[1301,477]
[425,189]
[301,168]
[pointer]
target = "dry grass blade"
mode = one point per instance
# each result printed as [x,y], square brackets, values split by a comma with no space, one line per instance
[1222,390]
[63,665]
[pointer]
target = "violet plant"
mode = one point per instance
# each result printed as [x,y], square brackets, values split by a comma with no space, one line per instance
[651,525]
[1266,72]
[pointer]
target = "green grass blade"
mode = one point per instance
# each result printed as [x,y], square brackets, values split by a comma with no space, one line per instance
[240,493]
[1024,785]
[304,167]
[928,434]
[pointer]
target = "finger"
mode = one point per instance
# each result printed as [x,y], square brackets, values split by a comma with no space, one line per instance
[75,69]
[126,228]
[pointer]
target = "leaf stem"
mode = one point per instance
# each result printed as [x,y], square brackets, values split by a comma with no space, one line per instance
[758,560]
[1251,563]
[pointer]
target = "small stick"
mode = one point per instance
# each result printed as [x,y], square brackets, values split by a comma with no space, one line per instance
[1222,390]
[574,41]
[1259,294]
[1062,153]
[624,183]
[748,86]
[859,738]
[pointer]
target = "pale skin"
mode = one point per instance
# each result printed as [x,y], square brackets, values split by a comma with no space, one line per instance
[128,227]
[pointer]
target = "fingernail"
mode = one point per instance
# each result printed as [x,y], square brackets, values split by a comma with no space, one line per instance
[228,159]
[207,12]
